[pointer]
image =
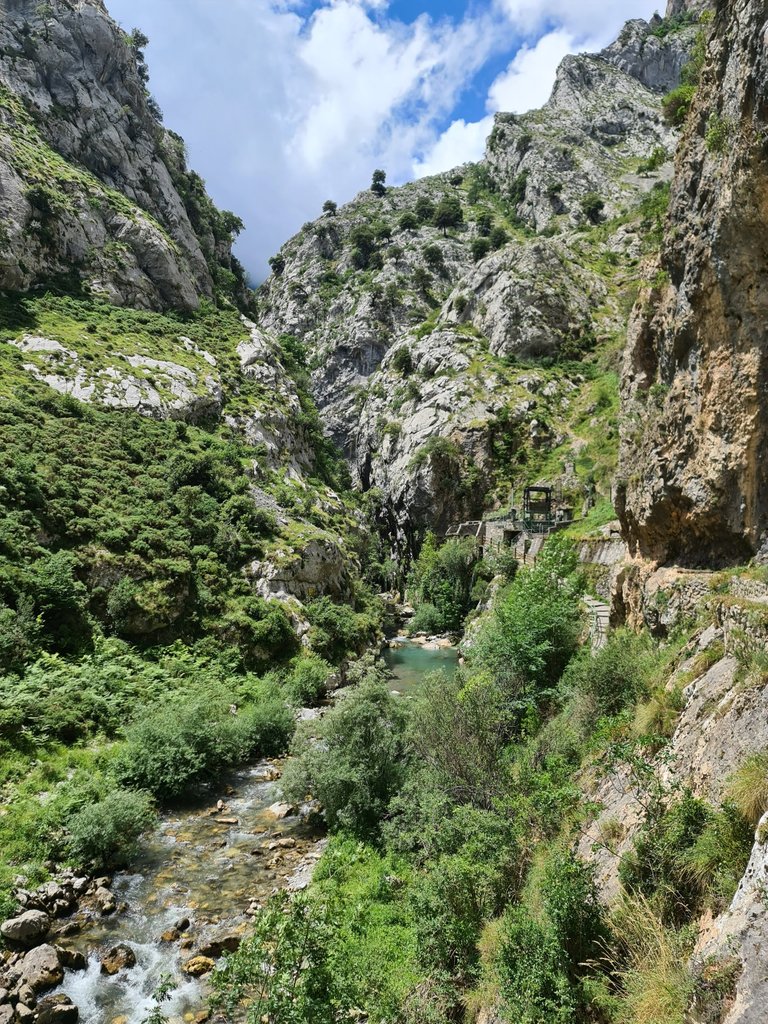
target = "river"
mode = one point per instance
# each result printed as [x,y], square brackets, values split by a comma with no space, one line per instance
[202,866]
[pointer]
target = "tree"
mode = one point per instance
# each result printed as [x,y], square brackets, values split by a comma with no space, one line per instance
[498,237]
[433,256]
[360,762]
[422,279]
[330,207]
[448,214]
[277,263]
[480,248]
[484,224]
[408,221]
[425,209]
[592,207]
[378,186]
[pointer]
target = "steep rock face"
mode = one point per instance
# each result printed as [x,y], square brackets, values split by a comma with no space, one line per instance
[378,276]
[90,178]
[604,111]
[696,366]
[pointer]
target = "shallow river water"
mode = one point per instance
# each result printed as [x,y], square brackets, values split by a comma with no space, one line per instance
[192,867]
[198,866]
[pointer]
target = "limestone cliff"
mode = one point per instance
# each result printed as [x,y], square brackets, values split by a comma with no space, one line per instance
[89,178]
[696,367]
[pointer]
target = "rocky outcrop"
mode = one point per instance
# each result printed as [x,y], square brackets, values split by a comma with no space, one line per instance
[695,430]
[158,388]
[89,178]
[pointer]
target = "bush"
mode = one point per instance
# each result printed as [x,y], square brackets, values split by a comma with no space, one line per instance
[748,787]
[105,834]
[592,207]
[360,762]
[677,103]
[480,248]
[307,679]
[182,747]
[498,237]
[402,361]
[443,578]
[337,630]
[408,221]
[535,987]
[603,683]
[427,620]
[534,629]
[450,905]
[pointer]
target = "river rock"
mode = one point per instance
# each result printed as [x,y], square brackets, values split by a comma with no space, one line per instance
[80,886]
[4,996]
[119,958]
[104,900]
[24,1013]
[72,959]
[6,1014]
[198,966]
[41,968]
[226,821]
[28,929]
[281,810]
[57,1010]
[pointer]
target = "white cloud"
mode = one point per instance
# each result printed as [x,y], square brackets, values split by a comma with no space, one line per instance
[527,82]
[462,141]
[283,107]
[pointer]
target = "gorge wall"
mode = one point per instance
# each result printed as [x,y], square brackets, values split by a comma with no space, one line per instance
[694,375]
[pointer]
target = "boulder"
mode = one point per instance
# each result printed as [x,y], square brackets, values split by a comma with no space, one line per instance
[6,1014]
[120,957]
[104,900]
[281,810]
[198,966]
[28,929]
[57,1010]
[41,968]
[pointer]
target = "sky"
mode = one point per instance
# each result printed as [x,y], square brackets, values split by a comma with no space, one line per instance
[286,103]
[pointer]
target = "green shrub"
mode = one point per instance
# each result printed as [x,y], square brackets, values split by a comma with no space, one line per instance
[306,680]
[677,103]
[182,747]
[428,619]
[360,762]
[534,629]
[748,787]
[105,834]
[480,248]
[450,905]
[535,987]
[592,206]
[603,683]
[408,221]
[442,578]
[337,630]
[402,361]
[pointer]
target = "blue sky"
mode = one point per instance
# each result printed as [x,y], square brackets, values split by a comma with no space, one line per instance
[285,103]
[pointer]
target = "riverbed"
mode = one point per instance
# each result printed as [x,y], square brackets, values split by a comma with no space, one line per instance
[213,867]
[198,865]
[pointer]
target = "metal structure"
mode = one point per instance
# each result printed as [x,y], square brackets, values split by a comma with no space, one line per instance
[538,513]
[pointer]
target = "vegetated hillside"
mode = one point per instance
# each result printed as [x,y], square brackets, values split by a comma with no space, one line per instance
[466,328]
[174,525]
